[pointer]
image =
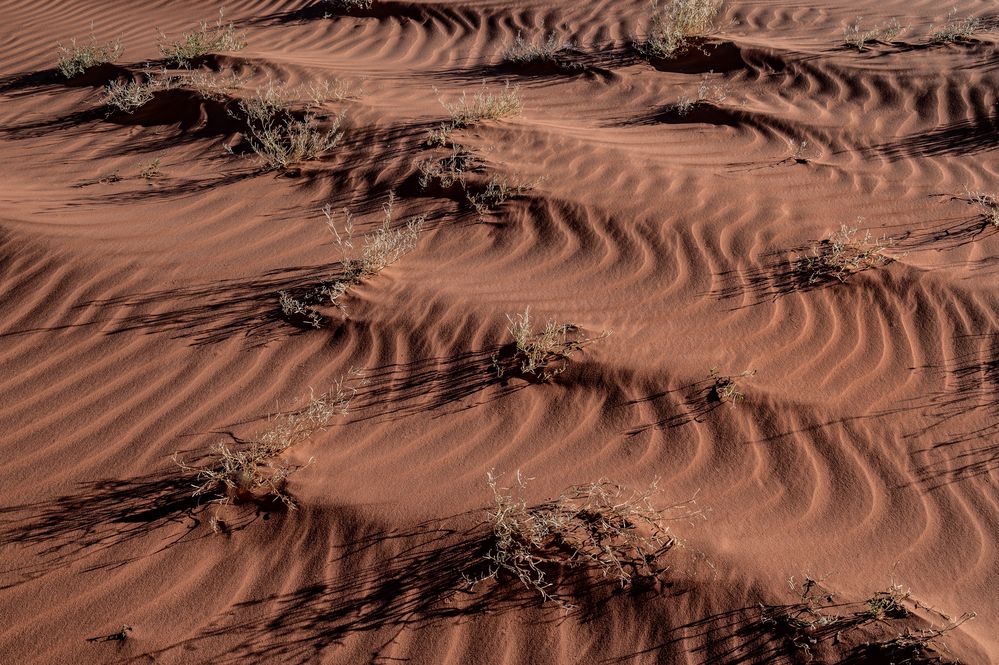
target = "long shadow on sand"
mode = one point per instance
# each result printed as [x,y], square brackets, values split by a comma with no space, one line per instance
[94,518]
[400,390]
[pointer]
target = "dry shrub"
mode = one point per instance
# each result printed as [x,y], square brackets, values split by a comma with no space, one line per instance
[675,22]
[77,58]
[449,170]
[600,526]
[541,354]
[326,90]
[346,5]
[496,192]
[469,110]
[987,205]
[208,38]
[707,93]
[253,469]
[858,38]
[485,104]
[817,619]
[379,249]
[726,388]
[129,97]
[957,29]
[541,49]
[841,255]
[279,138]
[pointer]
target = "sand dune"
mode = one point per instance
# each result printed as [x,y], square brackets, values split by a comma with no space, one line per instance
[140,264]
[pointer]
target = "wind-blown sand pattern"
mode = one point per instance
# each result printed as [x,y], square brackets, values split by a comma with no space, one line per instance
[141,319]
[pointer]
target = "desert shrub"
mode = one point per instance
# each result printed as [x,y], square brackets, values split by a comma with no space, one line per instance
[887,604]
[129,97]
[600,526]
[209,85]
[957,29]
[543,353]
[326,90]
[858,38]
[449,170]
[550,49]
[379,249]
[469,110]
[987,205]
[346,5]
[208,38]
[726,388]
[707,93]
[76,58]
[253,469]
[675,22]
[841,255]
[279,138]
[496,192]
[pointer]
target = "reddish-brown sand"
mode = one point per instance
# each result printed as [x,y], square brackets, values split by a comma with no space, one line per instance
[140,318]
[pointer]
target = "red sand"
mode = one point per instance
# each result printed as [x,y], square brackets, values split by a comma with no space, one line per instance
[140,319]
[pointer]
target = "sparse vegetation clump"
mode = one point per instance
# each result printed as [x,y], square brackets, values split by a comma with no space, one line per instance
[253,470]
[551,50]
[379,250]
[957,29]
[987,205]
[818,620]
[855,36]
[281,139]
[726,389]
[129,97]
[600,526]
[543,353]
[675,22]
[841,255]
[76,58]
[208,38]
[469,110]
[346,5]
[707,93]
[496,192]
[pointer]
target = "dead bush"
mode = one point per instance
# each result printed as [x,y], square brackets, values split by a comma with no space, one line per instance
[600,526]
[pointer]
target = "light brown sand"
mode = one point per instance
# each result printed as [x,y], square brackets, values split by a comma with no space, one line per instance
[139,319]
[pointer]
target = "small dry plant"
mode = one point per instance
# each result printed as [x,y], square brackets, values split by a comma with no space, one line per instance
[675,22]
[347,5]
[888,604]
[214,86]
[707,93]
[855,36]
[208,38]
[151,170]
[279,138]
[538,49]
[469,110]
[379,250]
[449,170]
[321,92]
[76,58]
[726,388]
[129,97]
[987,205]
[496,192]
[253,469]
[841,255]
[919,646]
[957,29]
[543,353]
[600,526]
